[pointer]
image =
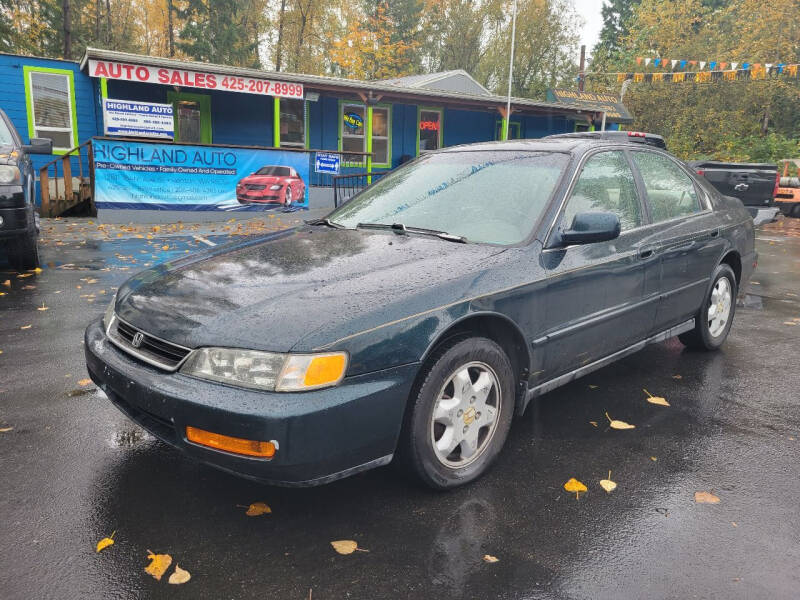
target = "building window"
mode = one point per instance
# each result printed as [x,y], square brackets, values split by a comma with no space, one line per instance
[429,129]
[293,123]
[192,115]
[514,130]
[353,132]
[50,95]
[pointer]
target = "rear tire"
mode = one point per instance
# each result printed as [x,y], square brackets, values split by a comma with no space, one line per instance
[460,415]
[713,321]
[23,252]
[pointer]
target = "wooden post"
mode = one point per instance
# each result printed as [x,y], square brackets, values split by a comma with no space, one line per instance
[66,168]
[581,75]
[44,192]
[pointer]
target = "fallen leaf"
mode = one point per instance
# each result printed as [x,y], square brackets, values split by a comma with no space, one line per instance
[607,484]
[734,523]
[653,458]
[490,559]
[5,429]
[23,275]
[179,576]
[656,399]
[614,424]
[7,283]
[165,247]
[705,498]
[573,485]
[257,509]
[677,377]
[789,323]
[43,307]
[85,381]
[105,542]
[593,387]
[26,326]
[346,546]
[159,563]
[37,270]
[593,423]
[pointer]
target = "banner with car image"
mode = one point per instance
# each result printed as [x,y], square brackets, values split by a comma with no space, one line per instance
[160,176]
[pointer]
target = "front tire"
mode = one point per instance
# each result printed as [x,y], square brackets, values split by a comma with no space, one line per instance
[287,196]
[460,416]
[23,252]
[714,320]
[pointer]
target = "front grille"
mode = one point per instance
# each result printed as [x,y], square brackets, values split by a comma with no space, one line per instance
[152,350]
[255,187]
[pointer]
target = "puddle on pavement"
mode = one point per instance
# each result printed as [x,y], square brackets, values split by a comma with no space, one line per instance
[751,301]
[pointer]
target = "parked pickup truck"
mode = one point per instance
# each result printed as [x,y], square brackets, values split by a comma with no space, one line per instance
[754,184]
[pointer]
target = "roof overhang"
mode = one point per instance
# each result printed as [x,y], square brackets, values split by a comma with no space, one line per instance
[351,87]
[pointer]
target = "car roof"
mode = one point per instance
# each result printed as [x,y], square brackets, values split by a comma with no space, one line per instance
[635,137]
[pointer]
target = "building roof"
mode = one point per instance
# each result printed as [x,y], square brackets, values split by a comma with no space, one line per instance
[457,80]
[344,85]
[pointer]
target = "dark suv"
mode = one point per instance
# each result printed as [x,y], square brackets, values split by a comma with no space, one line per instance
[18,225]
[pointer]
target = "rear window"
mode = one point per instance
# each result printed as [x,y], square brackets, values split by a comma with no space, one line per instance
[280,171]
[670,191]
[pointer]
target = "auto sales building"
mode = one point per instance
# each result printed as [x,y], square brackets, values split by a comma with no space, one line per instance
[389,122]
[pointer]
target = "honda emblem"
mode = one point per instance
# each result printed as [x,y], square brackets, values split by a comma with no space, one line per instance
[137,340]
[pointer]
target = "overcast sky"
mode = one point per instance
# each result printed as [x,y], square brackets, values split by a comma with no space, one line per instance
[593,21]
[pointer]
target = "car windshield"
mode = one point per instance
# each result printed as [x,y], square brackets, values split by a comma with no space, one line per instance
[492,197]
[5,135]
[274,171]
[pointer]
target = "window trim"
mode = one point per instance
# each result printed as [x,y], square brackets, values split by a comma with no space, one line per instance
[27,71]
[511,125]
[381,105]
[277,124]
[204,100]
[437,109]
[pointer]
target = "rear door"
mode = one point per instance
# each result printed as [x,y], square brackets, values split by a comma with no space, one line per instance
[688,235]
[600,297]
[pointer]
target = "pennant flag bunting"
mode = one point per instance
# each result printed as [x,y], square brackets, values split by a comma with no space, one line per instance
[745,66]
[646,61]
[657,62]
[683,64]
[734,65]
[703,64]
[638,60]
[658,76]
[729,75]
[722,66]
[678,77]
[674,62]
[712,65]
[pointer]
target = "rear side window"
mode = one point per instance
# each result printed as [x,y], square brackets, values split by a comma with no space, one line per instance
[606,184]
[670,191]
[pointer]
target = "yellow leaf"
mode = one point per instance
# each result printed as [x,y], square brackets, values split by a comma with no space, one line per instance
[593,423]
[705,498]
[607,484]
[165,247]
[5,429]
[656,399]
[789,323]
[257,508]
[7,283]
[43,307]
[653,458]
[105,542]
[573,485]
[23,275]
[346,546]
[490,559]
[179,576]
[84,382]
[614,424]
[26,326]
[159,563]
[37,270]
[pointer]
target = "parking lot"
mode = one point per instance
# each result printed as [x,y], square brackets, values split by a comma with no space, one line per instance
[74,470]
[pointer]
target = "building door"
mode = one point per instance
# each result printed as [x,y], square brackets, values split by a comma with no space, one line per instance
[192,116]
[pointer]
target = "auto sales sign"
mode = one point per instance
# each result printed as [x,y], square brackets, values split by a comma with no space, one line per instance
[194,79]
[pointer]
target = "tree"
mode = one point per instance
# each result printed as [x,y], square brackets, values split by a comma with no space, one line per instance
[455,33]
[616,16]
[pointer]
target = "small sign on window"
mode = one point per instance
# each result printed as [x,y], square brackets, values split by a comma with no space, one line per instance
[327,163]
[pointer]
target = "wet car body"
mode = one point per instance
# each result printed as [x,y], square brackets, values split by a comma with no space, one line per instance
[271,185]
[388,298]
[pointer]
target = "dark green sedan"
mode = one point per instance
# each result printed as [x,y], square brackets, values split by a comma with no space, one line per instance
[419,318]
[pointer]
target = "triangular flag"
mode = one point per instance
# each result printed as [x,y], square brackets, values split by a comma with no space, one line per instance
[734,65]
[674,62]
[638,60]
[702,64]
[756,66]
[693,62]
[745,66]
[712,65]
[722,66]
[683,64]
[646,61]
[768,65]
[657,61]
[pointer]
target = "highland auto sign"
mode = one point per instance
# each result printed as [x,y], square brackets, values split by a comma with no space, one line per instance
[194,79]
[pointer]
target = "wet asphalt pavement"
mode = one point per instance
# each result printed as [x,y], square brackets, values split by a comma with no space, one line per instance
[73,469]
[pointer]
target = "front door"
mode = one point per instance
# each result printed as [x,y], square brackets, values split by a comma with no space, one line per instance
[192,116]
[601,297]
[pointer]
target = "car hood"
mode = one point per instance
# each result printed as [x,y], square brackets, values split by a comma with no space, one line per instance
[265,179]
[270,293]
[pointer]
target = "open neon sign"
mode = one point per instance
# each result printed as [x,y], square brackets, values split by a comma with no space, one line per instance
[429,125]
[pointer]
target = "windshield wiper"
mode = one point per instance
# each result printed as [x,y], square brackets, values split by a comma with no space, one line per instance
[403,229]
[327,222]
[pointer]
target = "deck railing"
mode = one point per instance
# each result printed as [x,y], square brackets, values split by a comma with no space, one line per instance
[58,202]
[348,185]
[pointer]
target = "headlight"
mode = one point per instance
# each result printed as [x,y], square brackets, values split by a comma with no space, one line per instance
[275,187]
[267,370]
[9,175]
[109,313]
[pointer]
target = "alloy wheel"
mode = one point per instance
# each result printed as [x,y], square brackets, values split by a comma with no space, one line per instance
[719,306]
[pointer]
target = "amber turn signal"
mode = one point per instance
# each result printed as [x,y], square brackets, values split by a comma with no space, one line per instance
[230,444]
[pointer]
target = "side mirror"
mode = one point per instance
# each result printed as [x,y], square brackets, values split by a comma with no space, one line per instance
[39,146]
[588,228]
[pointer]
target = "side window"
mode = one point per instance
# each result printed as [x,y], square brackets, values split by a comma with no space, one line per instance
[606,184]
[670,191]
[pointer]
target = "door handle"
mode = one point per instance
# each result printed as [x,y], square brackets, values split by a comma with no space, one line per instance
[714,233]
[647,251]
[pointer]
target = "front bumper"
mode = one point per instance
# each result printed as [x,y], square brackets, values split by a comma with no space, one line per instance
[15,222]
[322,435]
